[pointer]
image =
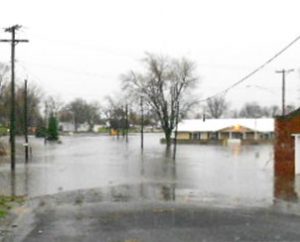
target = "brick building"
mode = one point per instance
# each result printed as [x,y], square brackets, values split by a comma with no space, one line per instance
[287,133]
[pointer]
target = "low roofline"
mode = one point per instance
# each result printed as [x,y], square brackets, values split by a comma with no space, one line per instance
[289,115]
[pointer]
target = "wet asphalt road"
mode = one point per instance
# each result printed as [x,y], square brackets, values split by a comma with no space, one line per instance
[151,222]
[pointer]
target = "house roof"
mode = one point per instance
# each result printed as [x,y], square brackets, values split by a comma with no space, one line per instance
[213,125]
[290,115]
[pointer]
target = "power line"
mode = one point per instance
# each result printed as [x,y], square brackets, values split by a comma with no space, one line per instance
[253,72]
[91,47]
[63,69]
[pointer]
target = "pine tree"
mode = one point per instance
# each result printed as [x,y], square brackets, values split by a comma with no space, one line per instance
[52,133]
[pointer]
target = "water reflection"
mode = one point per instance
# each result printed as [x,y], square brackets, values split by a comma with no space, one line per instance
[26,180]
[13,183]
[284,189]
[166,190]
[119,171]
[236,149]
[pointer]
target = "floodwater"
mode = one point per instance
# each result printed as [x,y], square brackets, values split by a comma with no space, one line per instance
[214,174]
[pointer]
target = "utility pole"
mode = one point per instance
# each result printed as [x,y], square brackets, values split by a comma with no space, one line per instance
[142,123]
[123,123]
[126,122]
[176,129]
[12,130]
[46,123]
[283,72]
[25,121]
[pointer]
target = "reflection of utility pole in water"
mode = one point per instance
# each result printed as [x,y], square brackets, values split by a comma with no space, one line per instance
[13,183]
[26,181]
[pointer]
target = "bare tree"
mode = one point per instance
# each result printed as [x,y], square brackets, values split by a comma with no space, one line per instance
[164,85]
[251,110]
[115,113]
[34,99]
[254,110]
[80,111]
[270,111]
[290,108]
[92,114]
[54,105]
[216,106]
[3,72]
[274,110]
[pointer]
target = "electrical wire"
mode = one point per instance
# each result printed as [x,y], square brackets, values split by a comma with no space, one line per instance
[225,91]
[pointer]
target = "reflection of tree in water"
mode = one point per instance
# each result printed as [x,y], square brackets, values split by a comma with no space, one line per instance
[169,170]
[142,175]
[18,183]
[120,193]
[168,192]
[166,187]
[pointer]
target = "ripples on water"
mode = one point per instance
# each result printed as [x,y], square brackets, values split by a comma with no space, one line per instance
[119,171]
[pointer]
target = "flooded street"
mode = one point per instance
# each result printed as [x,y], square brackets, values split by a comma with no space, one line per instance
[100,188]
[220,175]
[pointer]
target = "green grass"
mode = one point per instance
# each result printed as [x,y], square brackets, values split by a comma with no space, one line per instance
[8,202]
[3,131]
[3,213]
[103,130]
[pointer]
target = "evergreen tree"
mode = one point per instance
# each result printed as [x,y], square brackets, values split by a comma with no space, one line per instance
[52,133]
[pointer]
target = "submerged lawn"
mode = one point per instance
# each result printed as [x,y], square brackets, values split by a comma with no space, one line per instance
[9,202]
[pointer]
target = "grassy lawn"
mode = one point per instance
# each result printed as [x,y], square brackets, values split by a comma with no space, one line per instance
[9,202]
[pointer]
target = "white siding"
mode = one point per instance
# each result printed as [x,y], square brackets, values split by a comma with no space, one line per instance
[297,154]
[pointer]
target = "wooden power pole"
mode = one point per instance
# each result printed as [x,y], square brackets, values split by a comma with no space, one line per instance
[142,123]
[176,129]
[12,129]
[283,72]
[26,121]
[126,122]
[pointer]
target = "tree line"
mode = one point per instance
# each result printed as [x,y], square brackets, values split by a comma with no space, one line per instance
[163,90]
[218,107]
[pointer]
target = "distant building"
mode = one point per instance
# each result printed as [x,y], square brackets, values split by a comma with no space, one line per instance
[66,127]
[98,127]
[70,127]
[226,130]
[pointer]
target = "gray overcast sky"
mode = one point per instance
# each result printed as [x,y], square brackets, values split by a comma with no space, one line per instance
[80,48]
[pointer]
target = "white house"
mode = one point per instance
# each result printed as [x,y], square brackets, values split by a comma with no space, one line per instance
[297,153]
[70,127]
[226,129]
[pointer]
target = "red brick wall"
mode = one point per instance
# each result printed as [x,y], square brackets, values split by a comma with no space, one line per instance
[284,144]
